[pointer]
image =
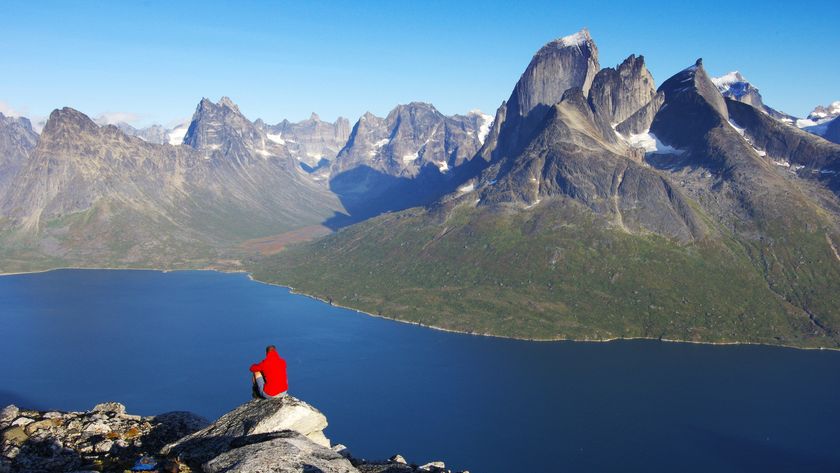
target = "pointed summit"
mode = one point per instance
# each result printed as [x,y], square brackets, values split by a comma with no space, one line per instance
[67,121]
[734,86]
[571,61]
[221,127]
[565,63]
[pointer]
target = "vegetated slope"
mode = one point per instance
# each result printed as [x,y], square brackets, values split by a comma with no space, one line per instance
[553,271]
[574,232]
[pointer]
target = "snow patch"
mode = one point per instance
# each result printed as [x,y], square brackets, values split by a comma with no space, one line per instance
[577,39]
[726,80]
[484,128]
[534,204]
[176,135]
[466,188]
[408,158]
[650,143]
[381,143]
[740,130]
[442,166]
[276,137]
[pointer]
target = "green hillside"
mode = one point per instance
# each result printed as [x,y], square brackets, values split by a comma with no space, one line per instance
[556,272]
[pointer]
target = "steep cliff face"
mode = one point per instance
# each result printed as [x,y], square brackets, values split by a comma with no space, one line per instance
[568,62]
[17,141]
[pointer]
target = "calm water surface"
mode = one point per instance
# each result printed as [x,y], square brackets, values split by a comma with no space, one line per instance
[183,341]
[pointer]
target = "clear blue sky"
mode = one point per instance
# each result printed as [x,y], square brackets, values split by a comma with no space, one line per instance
[155,60]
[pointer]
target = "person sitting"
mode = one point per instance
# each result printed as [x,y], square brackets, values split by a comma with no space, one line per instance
[270,380]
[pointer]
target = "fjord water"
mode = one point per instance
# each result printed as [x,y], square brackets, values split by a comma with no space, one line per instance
[184,340]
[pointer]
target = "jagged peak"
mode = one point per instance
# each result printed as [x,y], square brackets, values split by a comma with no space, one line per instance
[314,117]
[225,101]
[632,61]
[416,105]
[729,78]
[23,121]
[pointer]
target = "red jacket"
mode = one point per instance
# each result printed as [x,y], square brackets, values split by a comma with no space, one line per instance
[273,369]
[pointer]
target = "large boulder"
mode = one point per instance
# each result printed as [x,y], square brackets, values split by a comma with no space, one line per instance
[247,424]
[286,451]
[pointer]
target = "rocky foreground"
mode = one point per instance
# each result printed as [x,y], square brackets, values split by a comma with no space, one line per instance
[259,436]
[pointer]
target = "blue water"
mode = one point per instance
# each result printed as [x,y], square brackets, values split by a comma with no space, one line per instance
[183,341]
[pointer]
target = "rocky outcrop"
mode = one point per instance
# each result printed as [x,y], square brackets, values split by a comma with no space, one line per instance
[278,435]
[618,93]
[103,438]
[249,421]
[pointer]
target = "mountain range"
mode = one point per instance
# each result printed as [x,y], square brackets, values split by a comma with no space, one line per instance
[593,205]
[608,208]
[93,194]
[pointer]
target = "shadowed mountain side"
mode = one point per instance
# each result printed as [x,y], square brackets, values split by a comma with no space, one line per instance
[366,192]
[816,158]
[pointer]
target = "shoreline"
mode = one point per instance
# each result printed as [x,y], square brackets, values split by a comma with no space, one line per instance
[294,291]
